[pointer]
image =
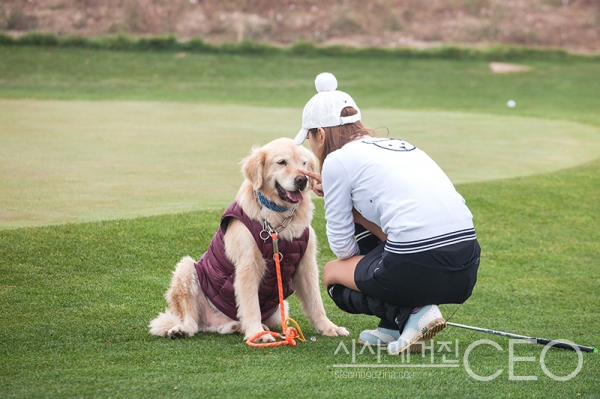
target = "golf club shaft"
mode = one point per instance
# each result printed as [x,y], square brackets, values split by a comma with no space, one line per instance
[541,341]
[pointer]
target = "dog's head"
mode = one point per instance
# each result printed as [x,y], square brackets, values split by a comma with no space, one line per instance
[273,169]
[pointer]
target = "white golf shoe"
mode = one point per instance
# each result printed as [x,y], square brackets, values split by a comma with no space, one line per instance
[380,336]
[420,326]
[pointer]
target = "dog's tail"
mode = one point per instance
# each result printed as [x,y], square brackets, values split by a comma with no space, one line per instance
[164,322]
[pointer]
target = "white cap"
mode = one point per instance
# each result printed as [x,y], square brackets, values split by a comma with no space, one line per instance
[324,109]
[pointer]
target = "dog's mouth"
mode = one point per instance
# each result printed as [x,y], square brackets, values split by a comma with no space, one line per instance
[289,196]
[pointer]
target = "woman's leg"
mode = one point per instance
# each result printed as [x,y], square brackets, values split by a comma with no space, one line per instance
[339,277]
[341,272]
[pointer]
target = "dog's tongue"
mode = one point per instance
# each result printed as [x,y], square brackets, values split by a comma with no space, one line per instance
[294,196]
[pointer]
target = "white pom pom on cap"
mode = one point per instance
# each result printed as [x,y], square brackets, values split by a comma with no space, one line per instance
[325,82]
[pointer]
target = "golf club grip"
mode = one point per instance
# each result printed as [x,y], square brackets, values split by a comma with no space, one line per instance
[558,344]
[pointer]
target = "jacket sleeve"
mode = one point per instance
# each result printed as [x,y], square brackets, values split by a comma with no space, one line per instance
[338,208]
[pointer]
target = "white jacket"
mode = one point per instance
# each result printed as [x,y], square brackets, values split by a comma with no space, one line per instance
[396,186]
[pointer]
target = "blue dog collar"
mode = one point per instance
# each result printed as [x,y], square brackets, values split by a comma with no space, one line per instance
[267,203]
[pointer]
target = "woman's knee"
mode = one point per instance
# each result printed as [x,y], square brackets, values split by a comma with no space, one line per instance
[328,273]
[341,272]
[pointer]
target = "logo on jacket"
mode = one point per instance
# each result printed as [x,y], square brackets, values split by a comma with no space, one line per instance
[392,144]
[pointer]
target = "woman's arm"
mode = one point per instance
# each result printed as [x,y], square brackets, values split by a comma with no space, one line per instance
[372,227]
[338,208]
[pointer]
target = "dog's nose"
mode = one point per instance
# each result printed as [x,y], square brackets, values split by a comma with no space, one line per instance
[300,182]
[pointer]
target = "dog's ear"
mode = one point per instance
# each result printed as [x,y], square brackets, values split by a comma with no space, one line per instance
[252,167]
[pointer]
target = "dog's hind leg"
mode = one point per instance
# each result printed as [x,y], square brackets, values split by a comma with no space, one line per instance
[229,328]
[164,322]
[183,299]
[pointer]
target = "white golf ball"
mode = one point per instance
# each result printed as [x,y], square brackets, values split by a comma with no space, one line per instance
[511,104]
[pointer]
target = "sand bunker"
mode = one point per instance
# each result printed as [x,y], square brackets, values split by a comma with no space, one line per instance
[502,67]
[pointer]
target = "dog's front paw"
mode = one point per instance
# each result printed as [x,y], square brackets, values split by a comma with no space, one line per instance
[335,331]
[265,338]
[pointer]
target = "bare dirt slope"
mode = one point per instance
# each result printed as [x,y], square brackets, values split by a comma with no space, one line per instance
[570,24]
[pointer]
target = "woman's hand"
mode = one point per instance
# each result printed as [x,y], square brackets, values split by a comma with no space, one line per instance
[317,186]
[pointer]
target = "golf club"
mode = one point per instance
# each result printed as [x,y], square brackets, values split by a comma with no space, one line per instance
[533,340]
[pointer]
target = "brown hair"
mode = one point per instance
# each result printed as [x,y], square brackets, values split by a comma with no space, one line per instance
[337,136]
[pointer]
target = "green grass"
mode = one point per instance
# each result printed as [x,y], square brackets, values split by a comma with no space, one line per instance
[76,299]
[152,133]
[77,161]
[552,90]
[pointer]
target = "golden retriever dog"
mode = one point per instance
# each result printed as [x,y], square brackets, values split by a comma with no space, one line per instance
[274,196]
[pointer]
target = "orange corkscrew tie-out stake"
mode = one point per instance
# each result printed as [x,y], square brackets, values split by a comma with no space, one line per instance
[289,333]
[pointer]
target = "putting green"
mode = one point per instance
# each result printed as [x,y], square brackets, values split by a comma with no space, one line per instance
[73,161]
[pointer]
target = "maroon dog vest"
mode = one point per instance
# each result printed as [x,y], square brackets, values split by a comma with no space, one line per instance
[216,273]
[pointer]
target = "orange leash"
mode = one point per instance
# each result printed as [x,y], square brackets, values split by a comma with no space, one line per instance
[289,333]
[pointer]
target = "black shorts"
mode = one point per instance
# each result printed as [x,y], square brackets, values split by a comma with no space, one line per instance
[442,275]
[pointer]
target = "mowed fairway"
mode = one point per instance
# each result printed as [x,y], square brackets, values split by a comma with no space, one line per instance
[114,165]
[74,161]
